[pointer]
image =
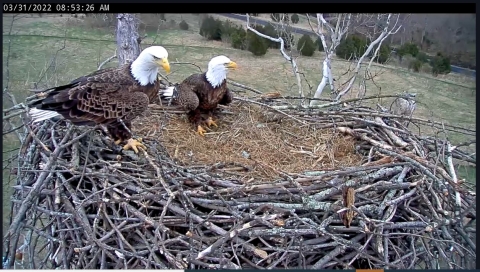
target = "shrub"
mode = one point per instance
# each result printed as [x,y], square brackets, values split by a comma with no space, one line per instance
[227,28]
[408,48]
[415,65]
[306,45]
[183,25]
[238,38]
[295,19]
[441,65]
[353,46]
[383,54]
[256,44]
[421,56]
[211,28]
[319,44]
[270,31]
[173,23]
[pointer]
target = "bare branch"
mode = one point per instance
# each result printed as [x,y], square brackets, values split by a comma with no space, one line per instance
[284,54]
[377,42]
[107,60]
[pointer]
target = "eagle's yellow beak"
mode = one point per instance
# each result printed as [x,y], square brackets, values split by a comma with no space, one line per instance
[231,65]
[165,64]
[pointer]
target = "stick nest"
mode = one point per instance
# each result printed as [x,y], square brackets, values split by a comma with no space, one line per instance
[318,189]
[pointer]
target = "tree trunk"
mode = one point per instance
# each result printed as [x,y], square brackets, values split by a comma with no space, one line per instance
[325,78]
[423,32]
[128,40]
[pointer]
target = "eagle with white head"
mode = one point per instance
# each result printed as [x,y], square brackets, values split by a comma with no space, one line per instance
[203,92]
[109,96]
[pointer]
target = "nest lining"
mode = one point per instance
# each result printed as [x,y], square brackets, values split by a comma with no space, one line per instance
[251,143]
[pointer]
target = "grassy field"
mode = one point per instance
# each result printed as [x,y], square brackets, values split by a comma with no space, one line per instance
[52,50]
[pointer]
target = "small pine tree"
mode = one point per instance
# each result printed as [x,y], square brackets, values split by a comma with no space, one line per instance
[353,46]
[319,44]
[421,56]
[408,48]
[183,25]
[256,44]
[306,45]
[295,19]
[383,54]
[269,30]
[441,65]
[211,28]
[227,27]
[238,38]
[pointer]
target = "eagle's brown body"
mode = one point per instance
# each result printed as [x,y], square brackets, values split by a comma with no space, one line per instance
[102,97]
[198,96]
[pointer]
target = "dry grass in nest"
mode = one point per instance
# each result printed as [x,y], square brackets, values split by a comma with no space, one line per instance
[274,143]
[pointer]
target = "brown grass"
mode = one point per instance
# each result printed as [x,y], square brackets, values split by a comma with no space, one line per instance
[275,144]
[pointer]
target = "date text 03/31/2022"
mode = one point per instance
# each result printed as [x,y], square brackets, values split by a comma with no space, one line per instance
[45,8]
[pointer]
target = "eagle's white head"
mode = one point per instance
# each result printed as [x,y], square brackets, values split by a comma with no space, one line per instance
[217,70]
[145,67]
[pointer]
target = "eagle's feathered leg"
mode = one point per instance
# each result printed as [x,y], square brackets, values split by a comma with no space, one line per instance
[225,100]
[195,117]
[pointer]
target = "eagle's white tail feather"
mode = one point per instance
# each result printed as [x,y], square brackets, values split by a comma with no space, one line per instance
[40,115]
[168,92]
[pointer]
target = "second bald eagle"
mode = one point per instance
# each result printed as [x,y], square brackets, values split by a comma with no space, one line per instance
[200,93]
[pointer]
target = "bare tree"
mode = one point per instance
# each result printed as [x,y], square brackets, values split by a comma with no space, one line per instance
[335,34]
[383,22]
[128,40]
[288,57]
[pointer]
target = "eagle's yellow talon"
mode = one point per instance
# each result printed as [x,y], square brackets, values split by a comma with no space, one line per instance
[41,95]
[117,142]
[210,122]
[134,144]
[201,131]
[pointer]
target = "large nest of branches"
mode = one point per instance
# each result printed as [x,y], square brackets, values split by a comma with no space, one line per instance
[348,187]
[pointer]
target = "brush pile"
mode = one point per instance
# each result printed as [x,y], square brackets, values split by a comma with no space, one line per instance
[274,186]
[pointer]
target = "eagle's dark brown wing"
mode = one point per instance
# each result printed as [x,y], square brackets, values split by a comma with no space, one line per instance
[101,97]
[227,97]
[196,87]
[187,92]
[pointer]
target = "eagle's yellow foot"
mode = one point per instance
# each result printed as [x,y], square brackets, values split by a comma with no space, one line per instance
[210,122]
[134,144]
[201,130]
[42,95]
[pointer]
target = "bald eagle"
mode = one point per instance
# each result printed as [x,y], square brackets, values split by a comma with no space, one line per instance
[108,96]
[201,93]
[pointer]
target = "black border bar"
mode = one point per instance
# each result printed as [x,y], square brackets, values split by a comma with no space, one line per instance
[228,6]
